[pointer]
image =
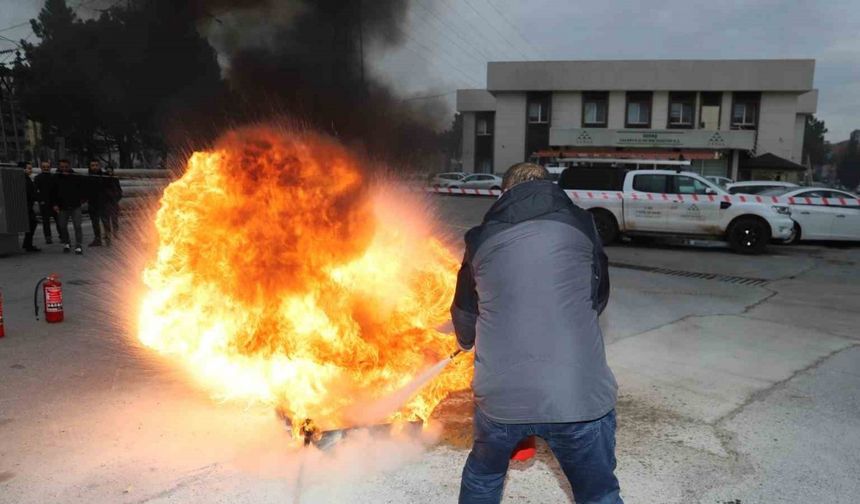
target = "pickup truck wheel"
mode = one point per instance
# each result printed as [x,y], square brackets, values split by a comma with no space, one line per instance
[606,225]
[748,235]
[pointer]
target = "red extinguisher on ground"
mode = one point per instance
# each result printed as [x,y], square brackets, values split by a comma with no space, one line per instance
[2,329]
[52,293]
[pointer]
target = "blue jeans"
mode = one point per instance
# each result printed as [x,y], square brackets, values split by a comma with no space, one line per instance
[585,451]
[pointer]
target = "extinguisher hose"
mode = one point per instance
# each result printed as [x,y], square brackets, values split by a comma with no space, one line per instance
[36,297]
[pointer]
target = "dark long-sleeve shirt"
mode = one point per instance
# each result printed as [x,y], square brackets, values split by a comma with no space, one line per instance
[68,191]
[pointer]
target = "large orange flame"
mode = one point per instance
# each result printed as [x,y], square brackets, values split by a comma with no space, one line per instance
[283,276]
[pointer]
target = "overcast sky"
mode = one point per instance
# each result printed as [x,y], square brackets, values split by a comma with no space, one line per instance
[448,42]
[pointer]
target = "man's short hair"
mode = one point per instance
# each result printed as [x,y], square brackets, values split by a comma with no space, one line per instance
[64,160]
[523,172]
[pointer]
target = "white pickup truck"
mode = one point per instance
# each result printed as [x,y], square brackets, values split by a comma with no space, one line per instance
[678,204]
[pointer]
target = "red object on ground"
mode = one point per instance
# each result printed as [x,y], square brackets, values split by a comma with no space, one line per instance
[53,293]
[525,450]
[2,329]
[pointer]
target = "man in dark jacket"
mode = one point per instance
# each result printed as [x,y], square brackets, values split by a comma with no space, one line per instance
[44,188]
[533,282]
[67,197]
[95,190]
[31,215]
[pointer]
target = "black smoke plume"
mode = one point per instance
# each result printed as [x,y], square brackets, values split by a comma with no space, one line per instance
[308,59]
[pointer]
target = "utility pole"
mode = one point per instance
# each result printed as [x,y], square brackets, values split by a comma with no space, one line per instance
[7,82]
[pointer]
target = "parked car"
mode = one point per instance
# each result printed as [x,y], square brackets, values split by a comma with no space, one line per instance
[757,186]
[720,181]
[668,203]
[449,179]
[481,181]
[816,221]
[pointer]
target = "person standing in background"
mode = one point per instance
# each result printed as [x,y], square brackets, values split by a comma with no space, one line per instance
[95,194]
[113,194]
[44,188]
[67,196]
[31,214]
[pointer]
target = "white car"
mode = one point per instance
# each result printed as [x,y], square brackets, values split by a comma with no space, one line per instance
[450,179]
[757,186]
[481,181]
[817,221]
[720,181]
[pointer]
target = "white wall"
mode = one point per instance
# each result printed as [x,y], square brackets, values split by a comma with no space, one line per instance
[659,109]
[468,156]
[567,110]
[799,130]
[776,125]
[510,133]
[617,106]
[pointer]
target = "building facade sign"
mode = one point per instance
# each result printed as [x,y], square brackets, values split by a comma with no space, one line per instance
[671,139]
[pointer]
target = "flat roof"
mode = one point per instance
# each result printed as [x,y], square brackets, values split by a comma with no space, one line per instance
[787,75]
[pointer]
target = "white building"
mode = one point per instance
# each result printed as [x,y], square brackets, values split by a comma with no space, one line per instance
[721,115]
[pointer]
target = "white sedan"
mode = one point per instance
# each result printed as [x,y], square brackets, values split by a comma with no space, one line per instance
[450,179]
[480,181]
[819,221]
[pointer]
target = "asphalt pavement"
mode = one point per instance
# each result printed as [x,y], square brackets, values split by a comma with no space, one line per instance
[738,377]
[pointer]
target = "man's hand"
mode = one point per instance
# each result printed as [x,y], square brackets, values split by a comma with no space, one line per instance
[56,209]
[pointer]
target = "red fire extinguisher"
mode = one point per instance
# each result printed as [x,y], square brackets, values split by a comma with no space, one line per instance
[52,293]
[525,450]
[2,329]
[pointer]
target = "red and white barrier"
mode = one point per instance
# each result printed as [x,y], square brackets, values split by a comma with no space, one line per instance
[615,195]
[734,198]
[466,192]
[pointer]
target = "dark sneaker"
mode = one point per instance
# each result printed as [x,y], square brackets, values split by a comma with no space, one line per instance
[79,250]
[96,243]
[32,249]
[107,242]
[67,248]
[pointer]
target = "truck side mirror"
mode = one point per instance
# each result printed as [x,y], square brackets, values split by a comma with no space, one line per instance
[709,191]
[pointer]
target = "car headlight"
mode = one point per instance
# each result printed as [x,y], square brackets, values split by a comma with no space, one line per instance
[782,210]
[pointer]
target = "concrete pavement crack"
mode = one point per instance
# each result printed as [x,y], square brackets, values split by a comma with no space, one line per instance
[727,438]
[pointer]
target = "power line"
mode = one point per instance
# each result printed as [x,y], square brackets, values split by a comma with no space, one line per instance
[10,40]
[515,27]
[455,67]
[440,21]
[476,27]
[15,26]
[463,52]
[502,35]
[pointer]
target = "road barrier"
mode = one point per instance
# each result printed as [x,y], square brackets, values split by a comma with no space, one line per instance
[616,195]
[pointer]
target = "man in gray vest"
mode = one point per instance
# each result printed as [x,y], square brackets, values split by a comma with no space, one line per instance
[533,282]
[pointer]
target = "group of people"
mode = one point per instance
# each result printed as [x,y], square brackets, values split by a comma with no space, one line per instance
[61,196]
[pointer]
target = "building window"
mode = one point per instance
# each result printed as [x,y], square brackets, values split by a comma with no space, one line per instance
[709,115]
[595,107]
[538,108]
[483,127]
[745,110]
[681,109]
[638,110]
